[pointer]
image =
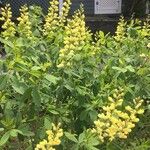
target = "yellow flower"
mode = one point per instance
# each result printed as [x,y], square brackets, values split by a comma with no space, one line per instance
[114,123]
[113,120]
[123,115]
[106,108]
[102,116]
[24,26]
[128,108]
[54,136]
[51,19]
[134,119]
[130,125]
[64,12]
[121,30]
[75,38]
[55,19]
[8,26]
[119,102]
[140,111]
[110,99]
[122,136]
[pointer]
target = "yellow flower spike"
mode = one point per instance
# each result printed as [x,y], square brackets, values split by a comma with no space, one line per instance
[54,136]
[24,26]
[121,30]
[51,19]
[115,123]
[55,19]
[64,12]
[8,26]
[73,40]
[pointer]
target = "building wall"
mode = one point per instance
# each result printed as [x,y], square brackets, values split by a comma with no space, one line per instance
[88,6]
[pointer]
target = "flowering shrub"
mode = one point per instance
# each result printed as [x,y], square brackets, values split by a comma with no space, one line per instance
[56,70]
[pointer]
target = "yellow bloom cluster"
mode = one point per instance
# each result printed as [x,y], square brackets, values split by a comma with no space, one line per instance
[52,18]
[74,40]
[115,123]
[8,26]
[55,17]
[121,30]
[53,138]
[24,26]
[64,12]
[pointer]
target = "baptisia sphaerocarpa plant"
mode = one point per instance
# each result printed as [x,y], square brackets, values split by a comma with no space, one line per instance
[56,71]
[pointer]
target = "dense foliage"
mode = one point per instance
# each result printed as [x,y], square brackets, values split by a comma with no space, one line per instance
[56,71]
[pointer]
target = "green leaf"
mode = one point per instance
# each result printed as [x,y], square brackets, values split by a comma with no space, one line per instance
[36,73]
[71,137]
[7,42]
[83,115]
[93,115]
[54,112]
[130,68]
[68,87]
[14,132]
[123,70]
[19,87]
[81,90]
[24,130]
[4,138]
[93,148]
[21,66]
[36,97]
[35,68]
[51,78]
[26,95]
[93,141]
[3,81]
[27,133]
[77,57]
[47,123]
[1,129]
[81,137]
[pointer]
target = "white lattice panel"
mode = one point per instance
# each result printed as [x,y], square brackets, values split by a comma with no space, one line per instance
[107,6]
